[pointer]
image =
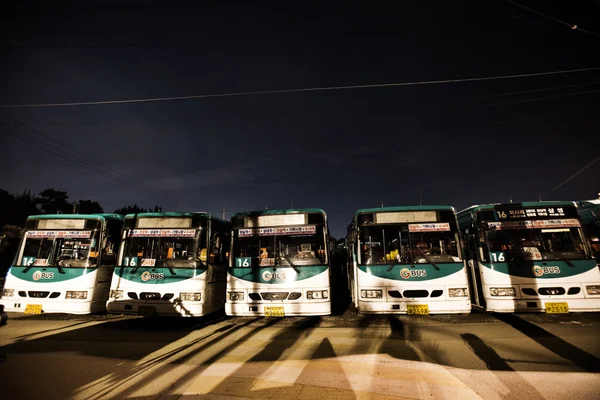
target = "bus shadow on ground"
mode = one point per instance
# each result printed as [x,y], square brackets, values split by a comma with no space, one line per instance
[555,344]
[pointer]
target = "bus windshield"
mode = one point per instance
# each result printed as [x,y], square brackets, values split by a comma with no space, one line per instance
[188,251]
[408,244]
[74,249]
[307,246]
[536,244]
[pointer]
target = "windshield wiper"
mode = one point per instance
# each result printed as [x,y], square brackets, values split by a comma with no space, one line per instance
[428,259]
[569,263]
[393,264]
[282,254]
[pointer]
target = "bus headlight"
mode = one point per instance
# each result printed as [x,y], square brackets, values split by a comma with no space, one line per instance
[502,291]
[8,293]
[371,294]
[190,296]
[116,294]
[235,296]
[76,294]
[458,292]
[594,289]
[317,294]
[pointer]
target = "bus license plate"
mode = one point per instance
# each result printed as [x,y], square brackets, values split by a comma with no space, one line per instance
[147,311]
[274,312]
[417,309]
[33,309]
[557,308]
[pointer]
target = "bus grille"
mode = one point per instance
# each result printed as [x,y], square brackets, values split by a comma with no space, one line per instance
[551,291]
[254,296]
[150,296]
[38,295]
[275,295]
[416,293]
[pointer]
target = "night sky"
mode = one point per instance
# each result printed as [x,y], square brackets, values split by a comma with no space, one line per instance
[455,143]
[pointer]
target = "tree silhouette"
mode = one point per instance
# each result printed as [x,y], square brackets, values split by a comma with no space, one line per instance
[54,201]
[89,207]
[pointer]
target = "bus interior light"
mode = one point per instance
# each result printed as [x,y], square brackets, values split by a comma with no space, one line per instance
[593,289]
[503,291]
[76,294]
[371,294]
[190,296]
[458,292]
[116,294]
[235,296]
[8,293]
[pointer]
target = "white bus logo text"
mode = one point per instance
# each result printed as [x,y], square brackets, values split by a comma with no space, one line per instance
[147,275]
[37,275]
[539,271]
[406,273]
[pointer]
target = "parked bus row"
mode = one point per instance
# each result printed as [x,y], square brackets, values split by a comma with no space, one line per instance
[517,257]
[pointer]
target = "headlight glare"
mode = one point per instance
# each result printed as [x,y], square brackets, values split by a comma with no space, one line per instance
[593,289]
[458,292]
[235,296]
[371,294]
[503,291]
[190,296]
[77,294]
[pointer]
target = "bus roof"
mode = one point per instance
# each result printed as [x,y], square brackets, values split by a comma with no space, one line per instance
[491,206]
[589,211]
[77,216]
[175,214]
[405,208]
[279,212]
[593,204]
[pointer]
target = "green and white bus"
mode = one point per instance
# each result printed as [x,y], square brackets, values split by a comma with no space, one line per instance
[64,264]
[279,263]
[172,263]
[589,211]
[528,257]
[406,260]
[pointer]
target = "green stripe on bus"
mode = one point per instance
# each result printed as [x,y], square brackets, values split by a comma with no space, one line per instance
[159,275]
[412,272]
[48,274]
[276,274]
[543,269]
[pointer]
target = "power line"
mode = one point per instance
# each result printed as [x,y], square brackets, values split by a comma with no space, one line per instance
[314,89]
[573,176]
[28,138]
[504,121]
[530,91]
[571,26]
[90,46]
[85,156]
[525,100]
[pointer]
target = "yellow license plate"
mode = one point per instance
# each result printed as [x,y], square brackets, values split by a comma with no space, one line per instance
[33,309]
[557,308]
[147,311]
[417,309]
[274,312]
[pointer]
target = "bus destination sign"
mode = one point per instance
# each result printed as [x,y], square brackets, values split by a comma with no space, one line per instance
[528,213]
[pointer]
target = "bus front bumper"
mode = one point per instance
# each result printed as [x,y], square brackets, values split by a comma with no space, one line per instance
[539,305]
[159,308]
[288,309]
[53,306]
[462,306]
